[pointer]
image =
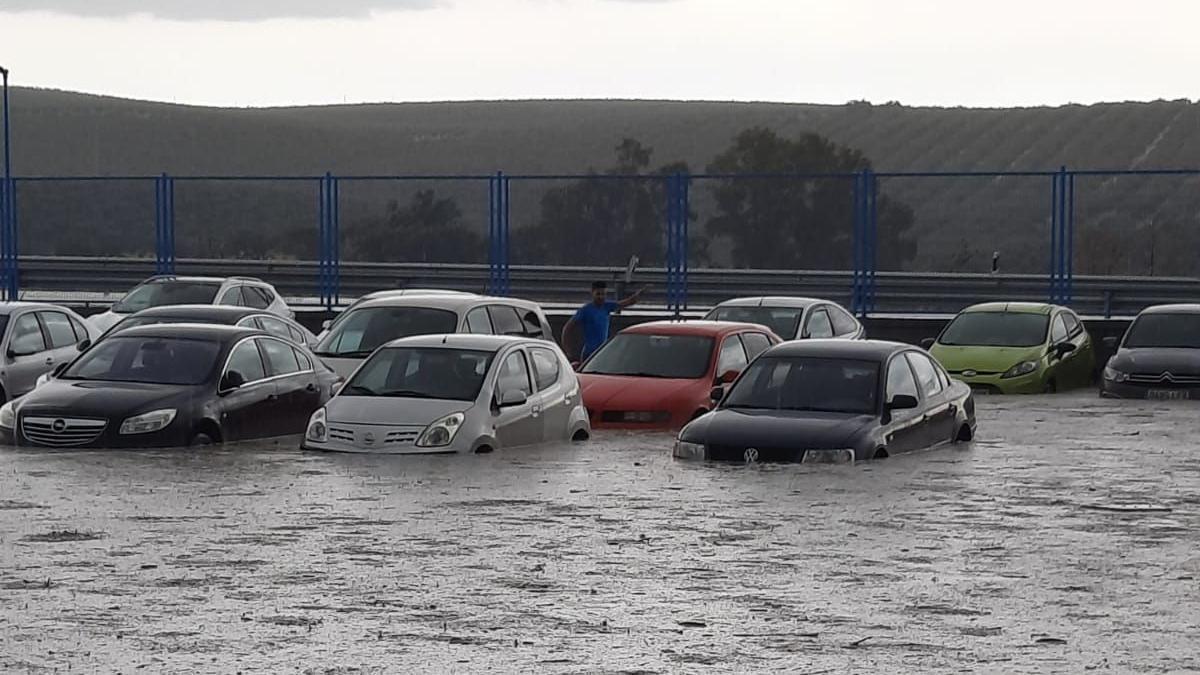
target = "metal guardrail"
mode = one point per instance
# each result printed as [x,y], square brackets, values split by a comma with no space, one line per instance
[96,280]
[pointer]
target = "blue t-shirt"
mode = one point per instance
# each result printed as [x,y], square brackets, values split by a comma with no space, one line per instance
[594,319]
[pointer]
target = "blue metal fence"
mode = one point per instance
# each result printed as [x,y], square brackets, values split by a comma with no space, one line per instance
[675,198]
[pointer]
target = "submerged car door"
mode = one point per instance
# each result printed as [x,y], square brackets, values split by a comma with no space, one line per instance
[558,391]
[940,412]
[63,340]
[247,411]
[905,429]
[296,386]
[1082,360]
[27,355]
[518,424]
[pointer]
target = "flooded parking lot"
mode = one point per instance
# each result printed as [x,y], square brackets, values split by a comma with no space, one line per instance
[1065,540]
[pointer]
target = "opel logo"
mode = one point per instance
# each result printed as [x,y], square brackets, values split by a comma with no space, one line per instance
[58,426]
[751,455]
[969,373]
[369,438]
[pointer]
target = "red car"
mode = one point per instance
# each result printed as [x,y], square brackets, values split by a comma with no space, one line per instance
[660,375]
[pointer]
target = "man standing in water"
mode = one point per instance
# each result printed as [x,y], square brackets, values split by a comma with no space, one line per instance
[593,318]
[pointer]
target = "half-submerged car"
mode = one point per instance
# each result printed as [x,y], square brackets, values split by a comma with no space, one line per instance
[453,393]
[824,401]
[792,318]
[173,385]
[226,315]
[660,375]
[362,330]
[1159,357]
[165,290]
[1016,348]
[36,339]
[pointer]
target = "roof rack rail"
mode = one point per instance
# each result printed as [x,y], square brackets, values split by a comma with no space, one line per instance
[242,278]
[162,277]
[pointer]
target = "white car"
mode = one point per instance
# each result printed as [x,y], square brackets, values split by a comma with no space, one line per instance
[161,291]
[792,318]
[387,293]
[453,393]
[371,324]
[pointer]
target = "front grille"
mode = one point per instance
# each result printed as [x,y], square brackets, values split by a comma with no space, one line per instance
[345,435]
[402,437]
[1164,380]
[737,453]
[62,432]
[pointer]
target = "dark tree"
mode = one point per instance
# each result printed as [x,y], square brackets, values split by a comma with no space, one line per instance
[795,222]
[428,229]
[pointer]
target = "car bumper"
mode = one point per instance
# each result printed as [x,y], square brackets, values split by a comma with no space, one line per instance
[383,440]
[1110,389]
[611,420]
[108,440]
[1033,383]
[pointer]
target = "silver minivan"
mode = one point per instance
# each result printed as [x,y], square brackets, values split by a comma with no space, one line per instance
[453,393]
[363,329]
[36,339]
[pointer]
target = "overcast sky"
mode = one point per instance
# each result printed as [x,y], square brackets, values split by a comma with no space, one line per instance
[284,52]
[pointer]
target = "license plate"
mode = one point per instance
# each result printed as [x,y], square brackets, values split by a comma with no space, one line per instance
[1168,394]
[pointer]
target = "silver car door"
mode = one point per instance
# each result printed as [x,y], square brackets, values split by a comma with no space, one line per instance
[26,355]
[558,392]
[62,341]
[520,423]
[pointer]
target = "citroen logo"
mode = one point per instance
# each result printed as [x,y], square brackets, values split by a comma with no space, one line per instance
[369,438]
[58,426]
[751,455]
[1167,377]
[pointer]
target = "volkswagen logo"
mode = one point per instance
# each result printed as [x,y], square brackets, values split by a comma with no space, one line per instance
[969,373]
[58,426]
[369,438]
[751,455]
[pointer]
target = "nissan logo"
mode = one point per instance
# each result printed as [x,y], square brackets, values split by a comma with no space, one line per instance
[58,426]
[369,438]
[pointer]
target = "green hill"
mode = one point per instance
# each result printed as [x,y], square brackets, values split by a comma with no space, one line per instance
[959,221]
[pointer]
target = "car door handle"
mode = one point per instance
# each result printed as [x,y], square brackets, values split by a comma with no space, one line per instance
[311,387]
[272,397]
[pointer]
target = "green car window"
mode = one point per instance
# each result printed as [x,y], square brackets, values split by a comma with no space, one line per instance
[996,329]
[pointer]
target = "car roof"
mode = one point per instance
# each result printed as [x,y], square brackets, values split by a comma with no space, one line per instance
[449,302]
[490,343]
[230,312]
[7,308]
[1013,307]
[1179,308]
[874,350]
[700,328]
[401,292]
[773,301]
[196,331]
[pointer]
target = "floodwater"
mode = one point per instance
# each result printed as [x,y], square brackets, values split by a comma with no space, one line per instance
[1066,540]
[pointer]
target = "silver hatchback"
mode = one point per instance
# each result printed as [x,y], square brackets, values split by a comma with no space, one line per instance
[453,393]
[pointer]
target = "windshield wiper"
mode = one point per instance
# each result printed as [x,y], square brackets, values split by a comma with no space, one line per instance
[360,389]
[347,355]
[407,393]
[643,374]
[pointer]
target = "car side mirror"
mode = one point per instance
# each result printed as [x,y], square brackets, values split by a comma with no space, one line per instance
[1111,344]
[716,394]
[84,345]
[903,402]
[326,324]
[727,377]
[928,343]
[1064,348]
[576,365]
[232,380]
[513,398]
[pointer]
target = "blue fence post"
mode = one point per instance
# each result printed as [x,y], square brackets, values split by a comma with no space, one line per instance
[12,260]
[323,253]
[872,239]
[1054,232]
[498,244]
[505,231]
[493,238]
[859,246]
[164,221]
[685,199]
[5,238]
[1070,255]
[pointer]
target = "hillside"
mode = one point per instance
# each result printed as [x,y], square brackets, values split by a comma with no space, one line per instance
[959,221]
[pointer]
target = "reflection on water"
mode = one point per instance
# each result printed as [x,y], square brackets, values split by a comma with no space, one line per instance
[610,556]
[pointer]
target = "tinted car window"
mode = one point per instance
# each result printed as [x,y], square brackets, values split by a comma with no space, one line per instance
[781,320]
[927,377]
[256,297]
[277,328]
[281,358]
[62,333]
[147,360]
[505,320]
[514,375]
[1073,326]
[160,293]
[232,296]
[546,367]
[246,360]
[669,356]
[900,380]
[1058,330]
[27,336]
[422,372]
[478,322]
[819,325]
[996,329]
[1181,331]
[756,343]
[365,329]
[302,359]
[733,356]
[533,324]
[843,323]
[807,383]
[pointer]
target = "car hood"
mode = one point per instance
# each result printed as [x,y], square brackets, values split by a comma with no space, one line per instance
[777,429]
[388,411]
[619,392]
[984,359]
[1157,360]
[102,399]
[102,322]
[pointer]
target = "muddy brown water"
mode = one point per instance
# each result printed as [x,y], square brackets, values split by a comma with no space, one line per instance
[1065,540]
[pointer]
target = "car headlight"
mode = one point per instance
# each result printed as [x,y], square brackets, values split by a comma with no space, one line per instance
[836,456]
[148,422]
[687,450]
[8,416]
[441,432]
[318,430]
[1110,373]
[1022,368]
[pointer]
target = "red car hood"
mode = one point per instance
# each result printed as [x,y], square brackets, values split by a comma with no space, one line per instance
[616,392]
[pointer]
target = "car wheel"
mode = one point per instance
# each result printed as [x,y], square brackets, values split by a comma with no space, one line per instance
[964,434]
[1050,388]
[579,436]
[201,439]
[880,453]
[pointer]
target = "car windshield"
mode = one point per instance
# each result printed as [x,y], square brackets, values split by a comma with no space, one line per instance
[782,321]
[422,372]
[643,355]
[365,330]
[161,293]
[996,329]
[807,383]
[1165,331]
[150,360]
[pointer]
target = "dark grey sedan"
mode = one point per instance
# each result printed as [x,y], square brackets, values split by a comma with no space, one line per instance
[1159,357]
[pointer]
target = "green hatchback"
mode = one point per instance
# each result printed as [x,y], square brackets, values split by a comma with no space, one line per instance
[1016,348]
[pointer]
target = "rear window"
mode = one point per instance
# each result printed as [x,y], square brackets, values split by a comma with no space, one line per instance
[162,293]
[364,330]
[783,321]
